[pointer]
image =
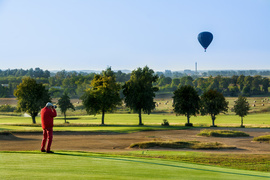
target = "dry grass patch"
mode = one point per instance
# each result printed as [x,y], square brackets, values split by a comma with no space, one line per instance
[181,145]
[222,133]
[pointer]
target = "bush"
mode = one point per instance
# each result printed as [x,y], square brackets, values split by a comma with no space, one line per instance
[265,138]
[7,108]
[165,122]
[80,107]
[189,124]
[222,133]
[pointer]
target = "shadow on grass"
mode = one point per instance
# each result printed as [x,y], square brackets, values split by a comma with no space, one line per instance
[104,125]
[74,118]
[67,118]
[70,129]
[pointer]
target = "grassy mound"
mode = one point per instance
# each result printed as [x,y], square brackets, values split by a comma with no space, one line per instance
[265,138]
[180,145]
[222,133]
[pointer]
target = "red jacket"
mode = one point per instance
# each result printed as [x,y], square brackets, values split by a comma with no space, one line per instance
[47,116]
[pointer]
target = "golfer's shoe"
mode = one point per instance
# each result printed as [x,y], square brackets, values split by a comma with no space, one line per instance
[49,152]
[42,150]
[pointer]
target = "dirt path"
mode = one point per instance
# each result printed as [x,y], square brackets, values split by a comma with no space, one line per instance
[102,142]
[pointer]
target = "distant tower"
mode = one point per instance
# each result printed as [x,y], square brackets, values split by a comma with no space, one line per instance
[196,68]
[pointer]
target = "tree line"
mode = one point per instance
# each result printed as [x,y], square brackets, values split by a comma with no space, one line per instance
[103,96]
[227,73]
[228,86]
[75,83]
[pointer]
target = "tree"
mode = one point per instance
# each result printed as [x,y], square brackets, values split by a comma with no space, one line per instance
[104,95]
[247,90]
[241,107]
[255,85]
[213,103]
[248,81]
[189,81]
[186,80]
[265,84]
[214,84]
[224,84]
[65,104]
[175,82]
[32,96]
[234,91]
[139,91]
[186,101]
[234,80]
[201,84]
[240,81]
[165,81]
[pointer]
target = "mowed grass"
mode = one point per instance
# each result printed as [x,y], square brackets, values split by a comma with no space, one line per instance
[124,122]
[82,165]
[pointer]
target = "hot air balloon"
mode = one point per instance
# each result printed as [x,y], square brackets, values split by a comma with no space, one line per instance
[205,38]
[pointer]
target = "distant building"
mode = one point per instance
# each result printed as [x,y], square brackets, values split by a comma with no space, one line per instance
[188,72]
[4,85]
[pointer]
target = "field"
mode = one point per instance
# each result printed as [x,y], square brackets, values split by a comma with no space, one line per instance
[164,104]
[86,150]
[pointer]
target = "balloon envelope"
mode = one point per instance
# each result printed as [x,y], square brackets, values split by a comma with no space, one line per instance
[205,38]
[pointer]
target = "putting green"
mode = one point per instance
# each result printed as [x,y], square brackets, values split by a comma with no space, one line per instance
[82,165]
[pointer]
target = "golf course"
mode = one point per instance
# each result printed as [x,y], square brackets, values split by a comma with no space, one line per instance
[85,165]
[135,90]
[84,149]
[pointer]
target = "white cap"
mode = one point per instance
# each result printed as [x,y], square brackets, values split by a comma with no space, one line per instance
[49,104]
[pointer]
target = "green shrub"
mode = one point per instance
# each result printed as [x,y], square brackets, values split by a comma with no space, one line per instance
[165,122]
[80,107]
[222,133]
[7,108]
[189,124]
[265,138]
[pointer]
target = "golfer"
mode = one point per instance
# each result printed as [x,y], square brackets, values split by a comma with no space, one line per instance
[47,114]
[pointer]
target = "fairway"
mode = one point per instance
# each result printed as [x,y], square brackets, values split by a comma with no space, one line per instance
[82,165]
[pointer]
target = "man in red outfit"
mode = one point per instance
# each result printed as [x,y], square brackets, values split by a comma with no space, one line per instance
[47,114]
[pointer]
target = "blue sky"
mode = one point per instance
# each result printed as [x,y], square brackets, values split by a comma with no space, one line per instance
[127,34]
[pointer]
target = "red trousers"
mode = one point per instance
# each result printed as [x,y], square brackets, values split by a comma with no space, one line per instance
[47,134]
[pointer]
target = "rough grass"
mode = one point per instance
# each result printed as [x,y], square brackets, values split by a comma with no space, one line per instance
[180,145]
[222,133]
[265,138]
[255,162]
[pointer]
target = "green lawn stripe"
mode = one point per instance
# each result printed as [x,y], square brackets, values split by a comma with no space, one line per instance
[162,164]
